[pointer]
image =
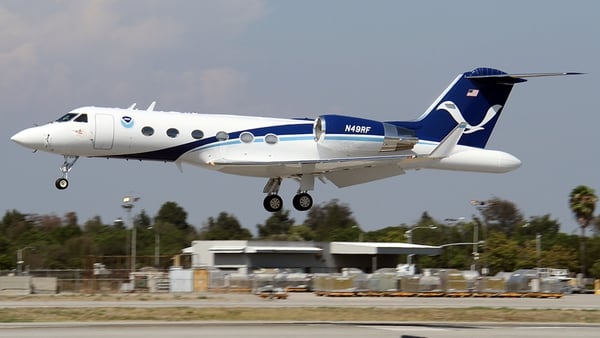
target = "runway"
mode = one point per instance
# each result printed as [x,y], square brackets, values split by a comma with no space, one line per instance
[299,330]
[151,329]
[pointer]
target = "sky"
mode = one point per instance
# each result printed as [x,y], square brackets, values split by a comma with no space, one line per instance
[381,60]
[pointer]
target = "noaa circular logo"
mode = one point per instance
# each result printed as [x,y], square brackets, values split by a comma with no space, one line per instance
[127,121]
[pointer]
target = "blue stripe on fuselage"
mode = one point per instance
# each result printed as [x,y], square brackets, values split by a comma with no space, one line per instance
[293,132]
[342,137]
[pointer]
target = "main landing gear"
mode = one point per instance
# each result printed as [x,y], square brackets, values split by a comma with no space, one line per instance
[62,183]
[273,202]
[302,202]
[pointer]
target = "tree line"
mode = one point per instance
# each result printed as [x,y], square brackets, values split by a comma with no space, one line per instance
[505,240]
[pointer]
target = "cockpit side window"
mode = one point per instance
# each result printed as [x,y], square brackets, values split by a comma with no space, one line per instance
[66,117]
[81,118]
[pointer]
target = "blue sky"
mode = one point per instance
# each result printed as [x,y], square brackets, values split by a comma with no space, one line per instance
[383,60]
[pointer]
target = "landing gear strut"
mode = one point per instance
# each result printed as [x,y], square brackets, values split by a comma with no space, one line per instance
[62,183]
[273,202]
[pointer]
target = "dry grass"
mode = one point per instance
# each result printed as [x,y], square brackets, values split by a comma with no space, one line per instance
[295,314]
[283,313]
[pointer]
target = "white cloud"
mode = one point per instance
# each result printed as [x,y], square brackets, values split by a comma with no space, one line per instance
[212,90]
[79,50]
[240,13]
[220,87]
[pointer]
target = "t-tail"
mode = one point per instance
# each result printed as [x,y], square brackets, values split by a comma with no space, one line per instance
[476,98]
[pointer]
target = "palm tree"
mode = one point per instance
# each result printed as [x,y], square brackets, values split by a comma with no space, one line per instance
[582,202]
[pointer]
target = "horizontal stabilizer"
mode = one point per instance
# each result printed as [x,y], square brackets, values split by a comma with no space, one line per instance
[499,76]
[444,149]
[524,75]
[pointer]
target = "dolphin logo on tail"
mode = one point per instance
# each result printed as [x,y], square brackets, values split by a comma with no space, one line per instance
[453,110]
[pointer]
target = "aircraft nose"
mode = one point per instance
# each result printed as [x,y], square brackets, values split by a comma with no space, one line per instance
[30,138]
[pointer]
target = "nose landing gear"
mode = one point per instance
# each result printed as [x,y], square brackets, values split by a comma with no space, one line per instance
[62,183]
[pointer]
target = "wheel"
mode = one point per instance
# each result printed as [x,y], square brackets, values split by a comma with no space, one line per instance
[302,201]
[61,183]
[273,203]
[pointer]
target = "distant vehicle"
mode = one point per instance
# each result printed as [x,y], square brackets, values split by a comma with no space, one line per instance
[450,135]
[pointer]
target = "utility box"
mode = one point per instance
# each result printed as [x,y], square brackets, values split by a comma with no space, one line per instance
[15,285]
[180,280]
[201,280]
[44,285]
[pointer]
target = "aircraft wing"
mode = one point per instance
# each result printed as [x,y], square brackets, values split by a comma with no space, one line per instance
[347,171]
[394,166]
[344,171]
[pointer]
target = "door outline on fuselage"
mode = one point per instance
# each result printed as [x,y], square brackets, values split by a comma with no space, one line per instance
[104,132]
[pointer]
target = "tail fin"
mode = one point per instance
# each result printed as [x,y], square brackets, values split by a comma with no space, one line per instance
[477,98]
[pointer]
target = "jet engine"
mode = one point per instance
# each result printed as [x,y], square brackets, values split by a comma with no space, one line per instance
[352,136]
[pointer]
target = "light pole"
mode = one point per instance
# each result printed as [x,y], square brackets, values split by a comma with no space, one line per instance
[481,206]
[360,233]
[458,244]
[20,260]
[128,204]
[156,245]
[538,246]
[475,246]
[538,249]
[452,221]
[408,235]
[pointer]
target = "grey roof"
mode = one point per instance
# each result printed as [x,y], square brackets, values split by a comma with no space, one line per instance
[265,249]
[379,248]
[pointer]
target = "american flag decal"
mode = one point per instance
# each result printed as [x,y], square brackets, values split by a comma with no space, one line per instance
[473,92]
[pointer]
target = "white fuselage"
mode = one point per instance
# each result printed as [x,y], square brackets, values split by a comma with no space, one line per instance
[241,145]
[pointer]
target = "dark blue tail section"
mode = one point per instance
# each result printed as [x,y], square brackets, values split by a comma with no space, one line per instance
[476,97]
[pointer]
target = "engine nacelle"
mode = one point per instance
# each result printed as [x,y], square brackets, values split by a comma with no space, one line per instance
[354,136]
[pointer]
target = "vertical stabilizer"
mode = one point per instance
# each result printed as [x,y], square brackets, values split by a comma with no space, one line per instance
[476,98]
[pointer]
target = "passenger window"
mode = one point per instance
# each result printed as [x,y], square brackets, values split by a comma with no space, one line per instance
[82,118]
[148,131]
[222,136]
[271,138]
[197,134]
[246,137]
[172,132]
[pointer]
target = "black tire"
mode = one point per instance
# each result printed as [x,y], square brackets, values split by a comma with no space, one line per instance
[273,203]
[61,184]
[302,201]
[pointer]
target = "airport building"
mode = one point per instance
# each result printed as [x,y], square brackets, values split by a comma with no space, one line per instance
[308,257]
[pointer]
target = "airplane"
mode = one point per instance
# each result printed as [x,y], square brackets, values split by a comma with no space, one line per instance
[450,135]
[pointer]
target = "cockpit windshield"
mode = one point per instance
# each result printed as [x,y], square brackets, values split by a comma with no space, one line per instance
[81,118]
[70,116]
[66,117]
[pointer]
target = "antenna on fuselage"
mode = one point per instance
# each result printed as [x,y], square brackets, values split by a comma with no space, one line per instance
[151,106]
[132,106]
[179,166]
